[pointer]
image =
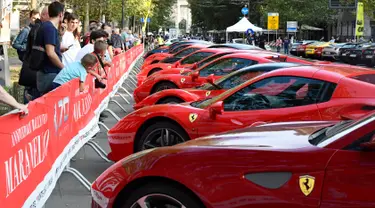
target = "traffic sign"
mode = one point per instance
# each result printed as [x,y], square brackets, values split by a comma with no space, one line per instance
[143,20]
[291,26]
[273,21]
[245,11]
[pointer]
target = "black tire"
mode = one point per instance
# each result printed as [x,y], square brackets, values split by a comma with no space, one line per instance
[176,192]
[170,100]
[153,71]
[164,86]
[140,143]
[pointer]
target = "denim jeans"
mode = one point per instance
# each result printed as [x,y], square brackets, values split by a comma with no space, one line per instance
[30,93]
[44,81]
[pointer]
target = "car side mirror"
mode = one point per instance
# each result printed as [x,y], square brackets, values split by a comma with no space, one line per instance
[194,75]
[176,65]
[195,66]
[216,109]
[210,79]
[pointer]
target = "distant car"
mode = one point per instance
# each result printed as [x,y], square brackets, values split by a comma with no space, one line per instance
[239,40]
[294,47]
[321,92]
[315,50]
[236,46]
[171,41]
[220,67]
[293,164]
[355,55]
[213,87]
[368,56]
[344,51]
[331,52]
[302,47]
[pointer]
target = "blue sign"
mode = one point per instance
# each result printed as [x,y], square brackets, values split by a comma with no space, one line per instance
[143,20]
[245,11]
[250,31]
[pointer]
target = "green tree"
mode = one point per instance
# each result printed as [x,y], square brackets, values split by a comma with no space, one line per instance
[315,13]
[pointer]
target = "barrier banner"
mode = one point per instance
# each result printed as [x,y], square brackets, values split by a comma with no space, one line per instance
[35,149]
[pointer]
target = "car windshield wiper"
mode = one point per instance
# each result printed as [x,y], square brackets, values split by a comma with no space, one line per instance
[215,85]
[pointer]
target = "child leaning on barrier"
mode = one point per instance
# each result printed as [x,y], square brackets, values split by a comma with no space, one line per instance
[77,70]
[100,48]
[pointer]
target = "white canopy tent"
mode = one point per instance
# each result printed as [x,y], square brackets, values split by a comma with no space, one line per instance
[242,26]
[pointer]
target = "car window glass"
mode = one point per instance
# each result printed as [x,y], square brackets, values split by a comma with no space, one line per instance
[179,48]
[196,57]
[185,52]
[368,78]
[225,66]
[209,59]
[275,92]
[238,79]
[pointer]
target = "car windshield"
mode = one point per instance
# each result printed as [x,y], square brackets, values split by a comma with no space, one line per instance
[205,103]
[326,133]
[232,80]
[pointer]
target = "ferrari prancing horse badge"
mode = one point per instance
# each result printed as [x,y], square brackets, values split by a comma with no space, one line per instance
[306,184]
[193,117]
[208,93]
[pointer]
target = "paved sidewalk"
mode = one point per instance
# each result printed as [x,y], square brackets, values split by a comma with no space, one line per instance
[68,191]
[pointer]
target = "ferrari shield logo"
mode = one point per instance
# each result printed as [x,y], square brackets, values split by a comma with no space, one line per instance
[182,80]
[182,71]
[306,184]
[193,117]
[208,93]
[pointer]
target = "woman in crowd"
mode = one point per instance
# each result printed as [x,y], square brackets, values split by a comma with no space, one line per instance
[70,44]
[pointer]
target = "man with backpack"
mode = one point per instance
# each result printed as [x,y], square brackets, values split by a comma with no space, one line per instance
[20,42]
[27,77]
[49,61]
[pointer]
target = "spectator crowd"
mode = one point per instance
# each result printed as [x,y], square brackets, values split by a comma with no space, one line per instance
[53,51]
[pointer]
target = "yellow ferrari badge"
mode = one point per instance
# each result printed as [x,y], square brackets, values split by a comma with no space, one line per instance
[169,67]
[208,93]
[306,184]
[193,117]
[182,80]
[182,71]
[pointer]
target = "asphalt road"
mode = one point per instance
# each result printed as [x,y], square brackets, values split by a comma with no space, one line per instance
[68,191]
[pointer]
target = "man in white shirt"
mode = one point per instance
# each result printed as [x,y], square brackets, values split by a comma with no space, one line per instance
[89,48]
[70,45]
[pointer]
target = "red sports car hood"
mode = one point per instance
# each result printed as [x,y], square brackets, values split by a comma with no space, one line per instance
[291,135]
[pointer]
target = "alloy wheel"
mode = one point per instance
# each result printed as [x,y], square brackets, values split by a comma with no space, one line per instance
[157,201]
[162,137]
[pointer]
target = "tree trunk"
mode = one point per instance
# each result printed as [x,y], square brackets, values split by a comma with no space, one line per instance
[87,19]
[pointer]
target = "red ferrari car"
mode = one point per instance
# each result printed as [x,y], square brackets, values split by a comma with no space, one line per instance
[211,88]
[218,68]
[184,59]
[286,165]
[322,92]
[155,58]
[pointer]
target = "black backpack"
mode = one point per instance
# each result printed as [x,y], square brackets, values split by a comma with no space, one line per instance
[35,52]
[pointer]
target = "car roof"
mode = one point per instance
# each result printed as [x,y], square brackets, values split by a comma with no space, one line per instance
[268,66]
[322,71]
[216,50]
[235,46]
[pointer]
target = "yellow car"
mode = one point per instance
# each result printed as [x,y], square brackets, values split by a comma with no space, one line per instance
[316,49]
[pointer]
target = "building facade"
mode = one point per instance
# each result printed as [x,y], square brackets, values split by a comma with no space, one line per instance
[182,17]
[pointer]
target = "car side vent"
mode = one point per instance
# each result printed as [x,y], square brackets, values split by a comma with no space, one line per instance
[270,180]
[368,108]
